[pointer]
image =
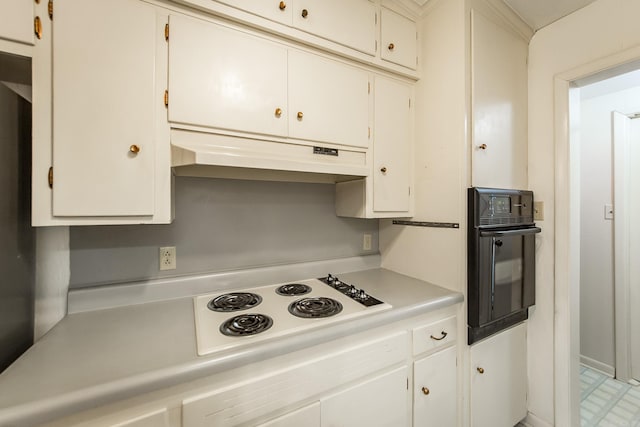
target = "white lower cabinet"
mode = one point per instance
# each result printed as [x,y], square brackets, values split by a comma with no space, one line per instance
[377,402]
[359,380]
[308,416]
[434,383]
[499,379]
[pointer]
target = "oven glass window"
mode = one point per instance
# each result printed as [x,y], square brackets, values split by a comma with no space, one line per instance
[508,275]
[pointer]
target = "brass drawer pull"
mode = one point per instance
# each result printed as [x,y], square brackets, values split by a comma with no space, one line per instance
[282,5]
[444,335]
[425,391]
[300,115]
[482,146]
[392,46]
[305,13]
[383,169]
[278,112]
[134,149]
[481,370]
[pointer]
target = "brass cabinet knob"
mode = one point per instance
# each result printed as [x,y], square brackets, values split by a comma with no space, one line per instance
[425,391]
[282,5]
[482,146]
[134,149]
[37,27]
[391,46]
[481,370]
[300,115]
[383,169]
[278,112]
[305,13]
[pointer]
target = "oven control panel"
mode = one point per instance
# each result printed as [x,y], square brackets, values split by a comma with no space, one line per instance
[351,291]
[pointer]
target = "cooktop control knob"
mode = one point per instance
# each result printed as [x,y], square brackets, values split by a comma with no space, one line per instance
[330,278]
[362,295]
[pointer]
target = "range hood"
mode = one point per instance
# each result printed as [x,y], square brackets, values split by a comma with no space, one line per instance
[195,153]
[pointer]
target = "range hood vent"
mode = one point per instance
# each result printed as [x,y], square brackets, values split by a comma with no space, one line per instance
[224,156]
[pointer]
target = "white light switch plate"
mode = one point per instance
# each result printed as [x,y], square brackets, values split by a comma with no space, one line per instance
[608,211]
[538,211]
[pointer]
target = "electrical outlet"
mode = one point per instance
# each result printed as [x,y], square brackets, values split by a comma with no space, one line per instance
[366,242]
[168,258]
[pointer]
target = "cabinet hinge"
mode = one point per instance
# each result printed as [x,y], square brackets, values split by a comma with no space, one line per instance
[50,9]
[407,383]
[166,32]
[368,87]
[369,132]
[166,98]
[409,190]
[409,103]
[50,177]
[376,48]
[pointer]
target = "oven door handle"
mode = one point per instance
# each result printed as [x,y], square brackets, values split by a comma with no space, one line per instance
[507,233]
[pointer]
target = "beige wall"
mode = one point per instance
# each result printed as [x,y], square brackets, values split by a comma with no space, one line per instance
[594,33]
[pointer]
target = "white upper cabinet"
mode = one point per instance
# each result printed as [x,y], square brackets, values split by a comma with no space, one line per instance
[328,101]
[386,192]
[351,23]
[392,146]
[104,108]
[399,41]
[499,105]
[17,21]
[274,10]
[225,78]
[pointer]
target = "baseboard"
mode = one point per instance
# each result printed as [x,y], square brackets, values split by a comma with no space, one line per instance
[533,421]
[598,366]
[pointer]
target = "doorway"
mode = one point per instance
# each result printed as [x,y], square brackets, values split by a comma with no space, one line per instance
[604,177]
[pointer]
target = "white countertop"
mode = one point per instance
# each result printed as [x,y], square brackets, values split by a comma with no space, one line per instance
[97,357]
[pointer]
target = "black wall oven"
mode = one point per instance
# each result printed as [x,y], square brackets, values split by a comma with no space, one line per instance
[501,259]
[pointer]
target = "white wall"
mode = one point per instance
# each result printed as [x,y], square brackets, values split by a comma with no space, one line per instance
[602,29]
[597,333]
[222,225]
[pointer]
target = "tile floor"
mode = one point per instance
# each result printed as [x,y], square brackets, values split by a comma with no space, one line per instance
[606,402]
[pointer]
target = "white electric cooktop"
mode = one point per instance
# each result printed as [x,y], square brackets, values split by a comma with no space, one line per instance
[226,320]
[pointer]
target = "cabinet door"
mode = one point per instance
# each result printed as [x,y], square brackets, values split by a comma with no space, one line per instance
[308,416]
[275,10]
[434,394]
[499,379]
[378,402]
[499,106]
[398,39]
[16,21]
[351,23]
[104,68]
[224,78]
[392,146]
[328,101]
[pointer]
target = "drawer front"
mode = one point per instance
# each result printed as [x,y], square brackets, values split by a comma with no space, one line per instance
[435,335]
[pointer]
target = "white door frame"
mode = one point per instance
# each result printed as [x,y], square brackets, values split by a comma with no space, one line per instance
[620,123]
[567,234]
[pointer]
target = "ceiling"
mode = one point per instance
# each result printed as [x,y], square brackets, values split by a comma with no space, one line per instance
[539,13]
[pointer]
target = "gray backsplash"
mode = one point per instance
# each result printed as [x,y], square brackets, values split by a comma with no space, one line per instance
[223,225]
